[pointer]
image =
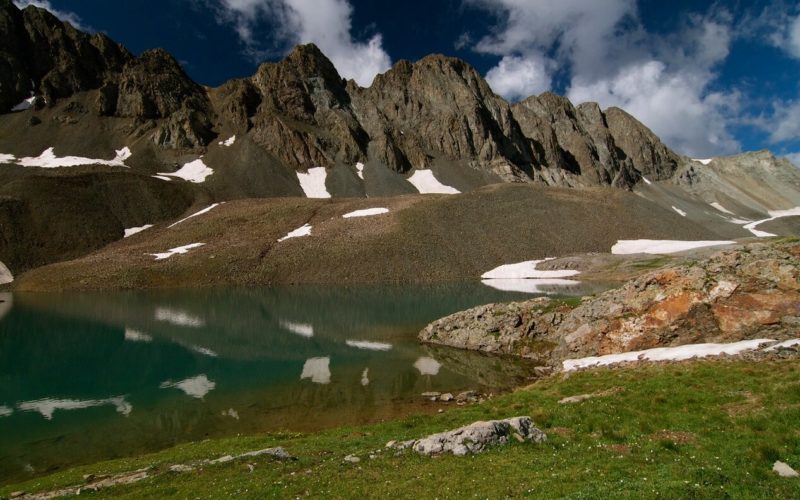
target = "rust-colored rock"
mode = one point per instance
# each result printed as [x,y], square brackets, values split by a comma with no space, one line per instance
[751,292]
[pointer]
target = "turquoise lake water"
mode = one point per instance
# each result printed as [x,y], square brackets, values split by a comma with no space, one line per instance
[87,377]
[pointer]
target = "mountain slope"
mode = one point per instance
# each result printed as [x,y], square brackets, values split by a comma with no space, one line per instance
[422,239]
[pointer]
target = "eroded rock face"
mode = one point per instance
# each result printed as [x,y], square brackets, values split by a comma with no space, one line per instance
[154,86]
[43,54]
[53,59]
[440,106]
[582,145]
[734,295]
[476,437]
[305,118]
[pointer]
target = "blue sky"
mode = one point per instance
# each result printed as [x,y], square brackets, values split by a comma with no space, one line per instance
[709,78]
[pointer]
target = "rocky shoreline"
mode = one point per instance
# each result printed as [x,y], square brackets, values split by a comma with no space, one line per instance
[745,293]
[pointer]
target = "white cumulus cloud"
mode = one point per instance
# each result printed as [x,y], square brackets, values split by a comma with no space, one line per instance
[674,105]
[793,38]
[607,56]
[64,15]
[784,125]
[326,23]
[517,77]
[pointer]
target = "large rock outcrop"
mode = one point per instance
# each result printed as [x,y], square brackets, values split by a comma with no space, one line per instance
[734,295]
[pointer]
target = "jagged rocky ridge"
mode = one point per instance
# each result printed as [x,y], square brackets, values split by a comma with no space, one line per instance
[42,55]
[303,114]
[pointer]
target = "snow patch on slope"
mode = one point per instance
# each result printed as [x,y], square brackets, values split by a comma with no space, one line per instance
[704,161]
[366,212]
[680,212]
[679,353]
[782,345]
[526,269]
[48,159]
[427,183]
[313,182]
[135,230]
[360,170]
[774,214]
[201,212]
[721,208]
[176,251]
[24,105]
[524,277]
[297,233]
[628,247]
[228,142]
[195,171]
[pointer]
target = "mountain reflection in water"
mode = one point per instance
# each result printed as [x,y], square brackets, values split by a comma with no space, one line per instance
[86,377]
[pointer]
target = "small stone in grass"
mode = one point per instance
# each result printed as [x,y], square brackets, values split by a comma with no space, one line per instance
[352,459]
[784,470]
[181,468]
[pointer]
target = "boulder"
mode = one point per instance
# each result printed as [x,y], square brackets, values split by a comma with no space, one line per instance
[475,438]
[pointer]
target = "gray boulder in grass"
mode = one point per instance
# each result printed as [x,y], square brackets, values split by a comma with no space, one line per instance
[478,436]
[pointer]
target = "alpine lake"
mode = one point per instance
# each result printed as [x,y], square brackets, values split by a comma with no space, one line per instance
[86,377]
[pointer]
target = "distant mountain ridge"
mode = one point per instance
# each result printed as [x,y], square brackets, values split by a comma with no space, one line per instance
[303,114]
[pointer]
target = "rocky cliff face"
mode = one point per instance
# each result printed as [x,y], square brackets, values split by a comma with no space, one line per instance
[752,292]
[441,106]
[582,145]
[44,56]
[305,117]
[303,114]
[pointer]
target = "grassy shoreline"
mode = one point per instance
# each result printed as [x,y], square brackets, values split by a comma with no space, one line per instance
[698,429]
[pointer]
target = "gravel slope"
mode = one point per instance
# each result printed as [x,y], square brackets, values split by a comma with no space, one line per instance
[422,239]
